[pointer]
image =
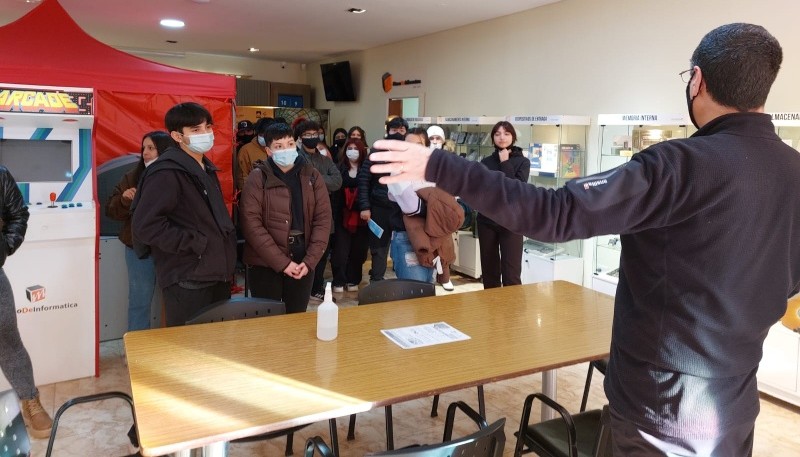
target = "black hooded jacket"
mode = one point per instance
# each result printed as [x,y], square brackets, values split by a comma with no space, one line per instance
[179,212]
[15,215]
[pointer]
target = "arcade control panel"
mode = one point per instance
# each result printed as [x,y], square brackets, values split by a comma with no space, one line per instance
[62,220]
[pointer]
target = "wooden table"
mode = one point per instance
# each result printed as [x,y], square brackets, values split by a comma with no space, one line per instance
[211,383]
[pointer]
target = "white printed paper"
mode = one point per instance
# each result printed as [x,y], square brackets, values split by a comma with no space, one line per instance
[418,336]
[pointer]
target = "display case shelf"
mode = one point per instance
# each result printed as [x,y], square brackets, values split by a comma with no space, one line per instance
[622,136]
[556,147]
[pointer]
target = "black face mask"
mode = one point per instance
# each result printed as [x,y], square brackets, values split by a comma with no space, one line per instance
[396,136]
[246,138]
[311,143]
[689,102]
[339,143]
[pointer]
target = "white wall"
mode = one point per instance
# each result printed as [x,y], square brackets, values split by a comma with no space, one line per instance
[266,70]
[582,57]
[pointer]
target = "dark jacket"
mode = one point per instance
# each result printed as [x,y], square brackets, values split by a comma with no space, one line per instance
[328,170]
[180,213]
[119,208]
[266,217]
[710,252]
[517,167]
[15,215]
[370,191]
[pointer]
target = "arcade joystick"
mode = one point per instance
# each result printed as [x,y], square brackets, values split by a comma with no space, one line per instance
[52,200]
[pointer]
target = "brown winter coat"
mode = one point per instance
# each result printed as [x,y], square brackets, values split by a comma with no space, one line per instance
[119,207]
[265,217]
[432,235]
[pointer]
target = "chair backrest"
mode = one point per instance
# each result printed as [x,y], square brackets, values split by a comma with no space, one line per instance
[237,308]
[487,442]
[14,440]
[602,447]
[395,289]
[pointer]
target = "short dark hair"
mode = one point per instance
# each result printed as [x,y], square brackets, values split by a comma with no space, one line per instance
[508,127]
[420,132]
[338,131]
[396,123]
[186,114]
[262,124]
[305,126]
[277,131]
[739,63]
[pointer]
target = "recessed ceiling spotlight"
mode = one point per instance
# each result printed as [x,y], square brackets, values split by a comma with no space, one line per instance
[172,41]
[253,49]
[172,23]
[356,10]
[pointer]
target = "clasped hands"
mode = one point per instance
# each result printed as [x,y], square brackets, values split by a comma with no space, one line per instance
[296,270]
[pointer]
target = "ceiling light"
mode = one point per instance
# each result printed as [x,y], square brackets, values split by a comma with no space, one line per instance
[172,23]
[253,49]
[356,10]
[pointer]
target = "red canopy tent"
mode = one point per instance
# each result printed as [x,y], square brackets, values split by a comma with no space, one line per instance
[46,47]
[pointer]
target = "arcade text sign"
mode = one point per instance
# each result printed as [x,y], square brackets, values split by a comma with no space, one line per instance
[18,99]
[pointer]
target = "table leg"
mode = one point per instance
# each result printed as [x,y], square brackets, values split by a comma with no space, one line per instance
[549,388]
[216,450]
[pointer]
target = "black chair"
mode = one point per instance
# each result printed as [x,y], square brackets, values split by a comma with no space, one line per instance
[488,441]
[586,434]
[237,308]
[88,399]
[246,308]
[599,365]
[14,439]
[391,290]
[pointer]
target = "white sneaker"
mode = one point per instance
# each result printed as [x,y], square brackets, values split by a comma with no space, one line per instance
[448,286]
[338,288]
[352,287]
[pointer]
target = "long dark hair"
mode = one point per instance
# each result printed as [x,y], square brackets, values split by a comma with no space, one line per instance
[161,139]
[344,162]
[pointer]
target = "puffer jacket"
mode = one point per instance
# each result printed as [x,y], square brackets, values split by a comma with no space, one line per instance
[15,215]
[266,217]
[431,235]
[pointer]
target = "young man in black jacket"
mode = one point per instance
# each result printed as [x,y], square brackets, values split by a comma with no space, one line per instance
[710,250]
[179,212]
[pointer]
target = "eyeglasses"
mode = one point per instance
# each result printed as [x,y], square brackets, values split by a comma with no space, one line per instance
[686,75]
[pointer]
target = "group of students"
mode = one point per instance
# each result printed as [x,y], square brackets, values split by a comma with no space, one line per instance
[300,203]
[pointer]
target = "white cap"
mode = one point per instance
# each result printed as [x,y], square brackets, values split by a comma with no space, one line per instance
[435,130]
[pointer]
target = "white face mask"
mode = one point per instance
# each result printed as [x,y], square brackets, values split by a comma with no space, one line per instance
[201,143]
[352,154]
[147,163]
[436,145]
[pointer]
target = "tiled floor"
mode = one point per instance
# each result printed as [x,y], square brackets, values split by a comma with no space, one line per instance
[99,429]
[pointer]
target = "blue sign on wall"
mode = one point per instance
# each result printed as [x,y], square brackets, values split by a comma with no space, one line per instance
[290,101]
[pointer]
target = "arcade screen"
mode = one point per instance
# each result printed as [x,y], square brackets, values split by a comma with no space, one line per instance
[37,160]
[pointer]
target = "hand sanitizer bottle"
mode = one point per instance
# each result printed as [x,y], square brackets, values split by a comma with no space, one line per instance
[327,317]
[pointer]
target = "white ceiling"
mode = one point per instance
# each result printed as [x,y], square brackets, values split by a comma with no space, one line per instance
[286,30]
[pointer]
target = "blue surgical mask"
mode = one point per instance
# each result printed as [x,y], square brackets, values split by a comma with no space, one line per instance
[284,157]
[262,142]
[201,143]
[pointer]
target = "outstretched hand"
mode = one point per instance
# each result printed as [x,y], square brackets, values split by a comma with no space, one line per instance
[407,161]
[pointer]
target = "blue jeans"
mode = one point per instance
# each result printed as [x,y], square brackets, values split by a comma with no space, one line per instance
[404,259]
[141,287]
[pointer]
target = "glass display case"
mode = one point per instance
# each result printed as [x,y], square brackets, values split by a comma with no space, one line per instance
[471,134]
[556,147]
[787,126]
[622,136]
[423,122]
